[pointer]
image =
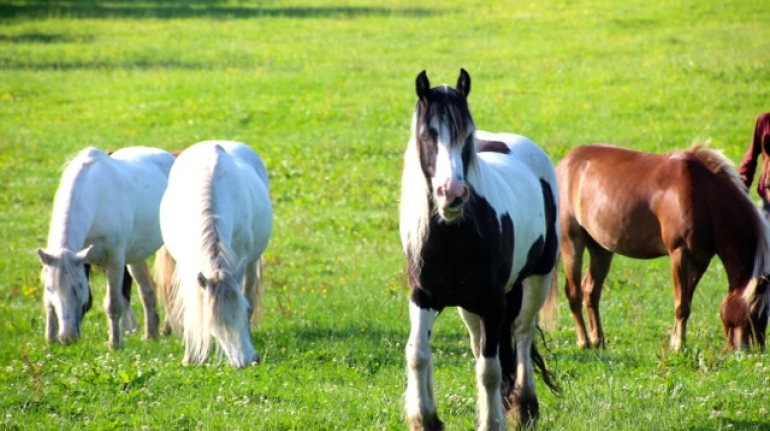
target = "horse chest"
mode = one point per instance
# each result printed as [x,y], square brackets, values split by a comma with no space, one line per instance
[463,266]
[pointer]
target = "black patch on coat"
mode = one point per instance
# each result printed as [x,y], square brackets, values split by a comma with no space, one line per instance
[551,248]
[492,147]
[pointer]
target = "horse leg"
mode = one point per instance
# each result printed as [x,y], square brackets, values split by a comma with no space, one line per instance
[52,325]
[128,321]
[420,403]
[598,268]
[686,273]
[473,323]
[572,248]
[525,407]
[141,273]
[251,288]
[164,269]
[114,302]
[489,371]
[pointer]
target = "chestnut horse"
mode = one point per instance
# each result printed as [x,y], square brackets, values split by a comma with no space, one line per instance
[478,225]
[689,205]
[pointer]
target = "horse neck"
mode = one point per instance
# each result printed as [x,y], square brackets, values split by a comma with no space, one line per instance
[732,240]
[73,212]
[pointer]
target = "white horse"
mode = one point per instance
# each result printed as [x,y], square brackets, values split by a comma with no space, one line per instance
[105,213]
[216,219]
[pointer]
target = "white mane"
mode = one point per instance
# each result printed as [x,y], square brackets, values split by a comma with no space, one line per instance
[67,206]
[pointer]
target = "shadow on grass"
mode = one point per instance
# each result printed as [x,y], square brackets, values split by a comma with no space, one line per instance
[215,9]
[43,38]
[738,425]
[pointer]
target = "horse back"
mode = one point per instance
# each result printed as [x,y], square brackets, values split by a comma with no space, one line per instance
[219,182]
[637,204]
[530,199]
[114,201]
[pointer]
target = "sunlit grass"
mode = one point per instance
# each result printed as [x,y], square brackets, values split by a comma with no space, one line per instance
[324,93]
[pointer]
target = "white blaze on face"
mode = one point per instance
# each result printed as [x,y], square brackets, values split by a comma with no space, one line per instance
[447,182]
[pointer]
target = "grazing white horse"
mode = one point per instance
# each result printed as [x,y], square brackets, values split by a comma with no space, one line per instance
[216,218]
[105,213]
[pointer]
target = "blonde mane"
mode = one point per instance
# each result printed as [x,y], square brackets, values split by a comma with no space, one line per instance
[724,168]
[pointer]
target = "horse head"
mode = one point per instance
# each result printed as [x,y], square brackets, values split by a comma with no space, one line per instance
[67,294]
[443,129]
[226,304]
[745,323]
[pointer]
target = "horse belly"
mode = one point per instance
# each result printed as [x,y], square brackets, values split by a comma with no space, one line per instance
[637,236]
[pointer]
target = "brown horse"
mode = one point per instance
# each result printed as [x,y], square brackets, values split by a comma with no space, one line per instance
[689,205]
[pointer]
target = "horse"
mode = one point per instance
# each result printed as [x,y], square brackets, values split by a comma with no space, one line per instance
[216,219]
[478,227]
[105,213]
[689,205]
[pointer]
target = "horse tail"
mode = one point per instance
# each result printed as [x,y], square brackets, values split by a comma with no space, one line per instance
[540,367]
[165,269]
[549,313]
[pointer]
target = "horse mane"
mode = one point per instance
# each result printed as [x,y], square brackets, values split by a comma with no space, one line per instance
[716,162]
[67,192]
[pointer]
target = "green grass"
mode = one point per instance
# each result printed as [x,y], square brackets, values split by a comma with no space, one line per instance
[324,92]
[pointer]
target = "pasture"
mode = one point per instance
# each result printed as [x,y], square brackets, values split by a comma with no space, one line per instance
[324,92]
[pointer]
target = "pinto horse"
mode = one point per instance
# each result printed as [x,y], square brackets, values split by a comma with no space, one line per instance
[216,218]
[105,212]
[478,226]
[689,205]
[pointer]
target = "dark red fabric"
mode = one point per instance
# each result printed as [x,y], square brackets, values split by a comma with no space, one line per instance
[750,160]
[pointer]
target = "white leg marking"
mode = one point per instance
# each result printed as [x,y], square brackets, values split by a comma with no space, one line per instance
[419,387]
[535,291]
[488,378]
[473,323]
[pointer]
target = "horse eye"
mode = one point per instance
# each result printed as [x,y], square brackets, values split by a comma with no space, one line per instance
[433,133]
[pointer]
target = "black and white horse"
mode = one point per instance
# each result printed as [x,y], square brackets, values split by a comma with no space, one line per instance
[479,228]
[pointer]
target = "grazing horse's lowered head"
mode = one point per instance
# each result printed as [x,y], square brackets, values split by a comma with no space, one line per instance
[67,295]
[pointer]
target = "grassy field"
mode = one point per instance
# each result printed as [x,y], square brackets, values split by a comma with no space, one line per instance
[324,92]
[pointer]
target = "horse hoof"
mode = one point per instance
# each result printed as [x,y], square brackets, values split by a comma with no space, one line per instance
[428,423]
[69,339]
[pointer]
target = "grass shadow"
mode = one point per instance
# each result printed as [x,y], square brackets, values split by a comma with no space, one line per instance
[176,9]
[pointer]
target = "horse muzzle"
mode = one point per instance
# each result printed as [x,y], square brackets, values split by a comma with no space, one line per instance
[451,198]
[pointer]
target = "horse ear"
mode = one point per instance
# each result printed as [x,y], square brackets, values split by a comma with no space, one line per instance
[45,258]
[766,144]
[464,83]
[422,86]
[82,256]
[202,280]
